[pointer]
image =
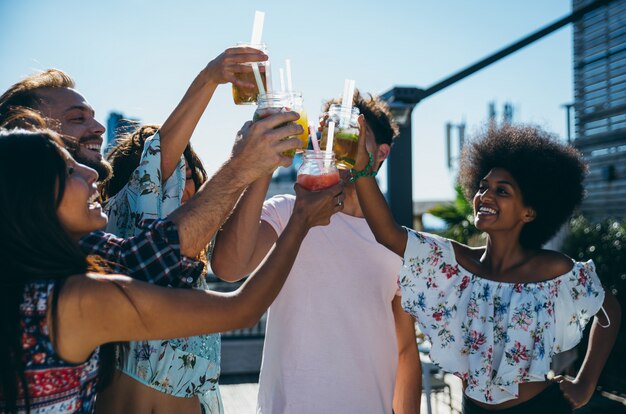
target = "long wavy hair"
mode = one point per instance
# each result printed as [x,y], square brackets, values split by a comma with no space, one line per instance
[34,245]
[126,155]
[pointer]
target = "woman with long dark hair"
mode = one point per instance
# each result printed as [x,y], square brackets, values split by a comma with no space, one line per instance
[496,315]
[56,311]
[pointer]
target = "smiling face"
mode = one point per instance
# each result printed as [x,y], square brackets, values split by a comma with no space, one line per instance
[76,118]
[78,211]
[499,205]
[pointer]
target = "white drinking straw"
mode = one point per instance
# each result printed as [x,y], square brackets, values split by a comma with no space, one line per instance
[282,79]
[348,93]
[288,66]
[257,27]
[329,141]
[268,77]
[257,32]
[257,78]
[351,92]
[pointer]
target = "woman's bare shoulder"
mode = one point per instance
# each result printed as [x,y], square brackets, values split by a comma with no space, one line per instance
[463,251]
[552,263]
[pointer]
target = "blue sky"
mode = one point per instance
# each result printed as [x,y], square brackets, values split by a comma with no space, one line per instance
[139,56]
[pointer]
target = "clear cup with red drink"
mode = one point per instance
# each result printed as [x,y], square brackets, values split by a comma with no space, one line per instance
[318,171]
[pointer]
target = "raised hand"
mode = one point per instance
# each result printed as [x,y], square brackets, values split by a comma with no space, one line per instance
[222,69]
[258,147]
[362,155]
[314,208]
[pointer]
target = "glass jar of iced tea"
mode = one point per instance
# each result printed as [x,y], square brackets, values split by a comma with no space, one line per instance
[249,96]
[273,103]
[318,171]
[346,137]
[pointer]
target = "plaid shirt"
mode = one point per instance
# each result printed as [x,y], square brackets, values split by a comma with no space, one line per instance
[152,256]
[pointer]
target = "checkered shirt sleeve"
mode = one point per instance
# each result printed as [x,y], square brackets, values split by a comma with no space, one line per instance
[152,256]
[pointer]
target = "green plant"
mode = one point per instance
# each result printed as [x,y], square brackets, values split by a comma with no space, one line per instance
[459,217]
[605,244]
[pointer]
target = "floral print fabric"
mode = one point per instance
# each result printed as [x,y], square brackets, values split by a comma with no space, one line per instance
[493,335]
[183,367]
[54,386]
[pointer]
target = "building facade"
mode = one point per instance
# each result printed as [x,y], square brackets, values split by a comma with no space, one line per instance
[600,106]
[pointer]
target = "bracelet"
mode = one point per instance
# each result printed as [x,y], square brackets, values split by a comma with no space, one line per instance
[365,172]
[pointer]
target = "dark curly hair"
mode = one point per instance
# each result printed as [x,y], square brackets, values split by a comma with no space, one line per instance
[549,174]
[126,154]
[377,115]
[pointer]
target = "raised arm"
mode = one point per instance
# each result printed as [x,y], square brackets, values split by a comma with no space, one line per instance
[179,126]
[377,213]
[243,240]
[601,340]
[256,153]
[94,310]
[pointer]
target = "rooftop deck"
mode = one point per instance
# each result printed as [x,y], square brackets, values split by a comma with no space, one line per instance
[240,398]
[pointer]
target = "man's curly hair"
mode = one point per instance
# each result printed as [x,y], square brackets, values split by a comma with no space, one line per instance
[549,174]
[376,113]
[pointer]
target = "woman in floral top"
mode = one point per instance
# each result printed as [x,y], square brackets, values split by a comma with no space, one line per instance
[155,171]
[496,315]
[182,367]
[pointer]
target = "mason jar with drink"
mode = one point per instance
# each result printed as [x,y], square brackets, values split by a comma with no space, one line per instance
[347,131]
[275,102]
[296,103]
[318,171]
[248,96]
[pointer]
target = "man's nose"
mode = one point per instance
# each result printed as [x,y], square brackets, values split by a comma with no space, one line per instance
[97,128]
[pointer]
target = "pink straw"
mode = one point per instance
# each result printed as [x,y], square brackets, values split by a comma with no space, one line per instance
[316,145]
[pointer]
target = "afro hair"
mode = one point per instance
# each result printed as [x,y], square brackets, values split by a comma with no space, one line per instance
[549,174]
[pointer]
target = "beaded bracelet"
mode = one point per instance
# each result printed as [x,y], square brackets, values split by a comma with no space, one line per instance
[365,172]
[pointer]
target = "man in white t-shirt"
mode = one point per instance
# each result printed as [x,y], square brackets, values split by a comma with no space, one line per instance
[337,338]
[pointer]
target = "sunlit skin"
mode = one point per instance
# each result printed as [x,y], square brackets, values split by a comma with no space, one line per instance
[78,211]
[73,116]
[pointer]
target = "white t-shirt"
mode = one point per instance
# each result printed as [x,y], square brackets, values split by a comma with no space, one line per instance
[330,343]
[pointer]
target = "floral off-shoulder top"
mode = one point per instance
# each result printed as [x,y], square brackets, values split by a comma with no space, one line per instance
[182,367]
[493,335]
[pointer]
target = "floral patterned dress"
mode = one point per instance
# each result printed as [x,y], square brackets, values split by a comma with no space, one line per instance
[493,335]
[183,367]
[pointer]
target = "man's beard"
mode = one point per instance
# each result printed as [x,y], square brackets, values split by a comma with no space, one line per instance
[102,167]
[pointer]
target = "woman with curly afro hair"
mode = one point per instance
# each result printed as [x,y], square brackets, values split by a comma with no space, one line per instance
[496,315]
